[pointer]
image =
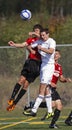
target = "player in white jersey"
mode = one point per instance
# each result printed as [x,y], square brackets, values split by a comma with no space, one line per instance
[46,47]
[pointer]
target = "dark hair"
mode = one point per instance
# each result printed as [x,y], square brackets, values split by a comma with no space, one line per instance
[57,50]
[37,26]
[45,30]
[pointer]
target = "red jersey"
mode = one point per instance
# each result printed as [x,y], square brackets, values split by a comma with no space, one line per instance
[58,72]
[35,56]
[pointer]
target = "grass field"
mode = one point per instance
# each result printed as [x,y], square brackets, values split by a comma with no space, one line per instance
[15,120]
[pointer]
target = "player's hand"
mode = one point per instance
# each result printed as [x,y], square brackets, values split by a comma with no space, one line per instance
[31,34]
[34,33]
[33,51]
[69,80]
[39,47]
[11,43]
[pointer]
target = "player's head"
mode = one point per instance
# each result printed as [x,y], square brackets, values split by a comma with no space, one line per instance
[37,28]
[57,54]
[45,34]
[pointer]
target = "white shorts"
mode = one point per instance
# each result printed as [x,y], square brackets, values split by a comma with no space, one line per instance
[46,73]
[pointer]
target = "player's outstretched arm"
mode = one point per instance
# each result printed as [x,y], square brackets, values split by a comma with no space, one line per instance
[21,45]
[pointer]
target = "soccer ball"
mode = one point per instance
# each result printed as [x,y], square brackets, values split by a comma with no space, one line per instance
[25,14]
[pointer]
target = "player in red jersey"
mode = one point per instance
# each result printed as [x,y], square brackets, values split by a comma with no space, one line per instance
[31,68]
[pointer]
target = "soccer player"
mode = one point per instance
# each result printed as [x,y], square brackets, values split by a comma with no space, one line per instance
[31,68]
[56,100]
[68,120]
[46,47]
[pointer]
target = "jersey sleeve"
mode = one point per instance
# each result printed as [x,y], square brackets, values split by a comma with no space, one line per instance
[29,40]
[35,44]
[52,43]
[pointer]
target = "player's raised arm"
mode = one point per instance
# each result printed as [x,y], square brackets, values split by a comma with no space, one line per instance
[21,45]
[34,33]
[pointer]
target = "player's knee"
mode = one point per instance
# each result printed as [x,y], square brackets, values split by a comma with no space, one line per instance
[21,80]
[25,85]
[59,106]
[53,104]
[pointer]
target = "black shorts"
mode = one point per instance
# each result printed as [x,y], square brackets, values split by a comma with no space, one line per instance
[31,69]
[55,95]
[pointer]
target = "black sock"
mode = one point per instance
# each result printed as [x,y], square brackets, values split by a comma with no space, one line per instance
[21,93]
[15,91]
[56,116]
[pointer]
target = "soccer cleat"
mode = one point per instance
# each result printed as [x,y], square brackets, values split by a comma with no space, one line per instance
[10,102]
[29,113]
[43,118]
[47,116]
[11,107]
[69,123]
[53,126]
[27,108]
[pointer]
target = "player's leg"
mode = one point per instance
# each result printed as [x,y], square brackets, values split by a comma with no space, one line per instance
[58,105]
[68,121]
[31,104]
[19,96]
[28,72]
[35,67]
[16,89]
[38,101]
[48,99]
[22,92]
[44,79]
[20,82]
[56,113]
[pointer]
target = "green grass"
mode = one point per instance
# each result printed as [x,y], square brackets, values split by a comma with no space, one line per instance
[15,120]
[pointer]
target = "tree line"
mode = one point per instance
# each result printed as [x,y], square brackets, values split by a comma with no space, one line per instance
[58,7]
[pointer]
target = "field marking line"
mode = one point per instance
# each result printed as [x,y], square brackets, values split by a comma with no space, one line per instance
[17,123]
[11,118]
[42,122]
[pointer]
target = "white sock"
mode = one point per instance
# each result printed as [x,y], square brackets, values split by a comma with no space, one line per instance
[37,103]
[48,99]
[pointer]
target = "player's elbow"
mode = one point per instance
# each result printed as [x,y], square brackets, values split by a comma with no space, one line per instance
[51,51]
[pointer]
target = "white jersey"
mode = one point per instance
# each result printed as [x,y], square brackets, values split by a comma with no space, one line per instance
[50,43]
